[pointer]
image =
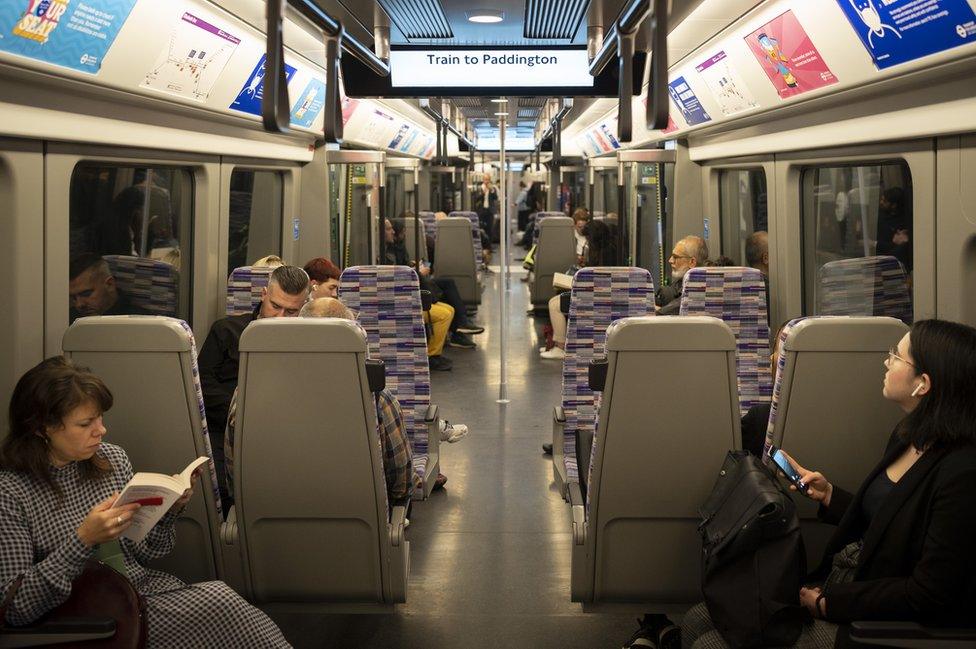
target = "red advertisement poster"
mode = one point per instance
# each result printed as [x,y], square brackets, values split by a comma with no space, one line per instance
[789,57]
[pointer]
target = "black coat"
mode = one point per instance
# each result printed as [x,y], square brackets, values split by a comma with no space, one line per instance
[918,561]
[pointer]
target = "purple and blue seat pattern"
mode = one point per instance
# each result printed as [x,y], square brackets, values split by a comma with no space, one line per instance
[244,287]
[865,286]
[387,299]
[736,295]
[147,283]
[475,232]
[430,222]
[600,296]
[538,217]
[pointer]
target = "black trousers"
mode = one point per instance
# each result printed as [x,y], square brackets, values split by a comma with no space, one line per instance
[453,297]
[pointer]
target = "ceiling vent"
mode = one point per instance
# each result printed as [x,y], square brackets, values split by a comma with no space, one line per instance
[553,19]
[528,112]
[467,102]
[418,19]
[538,102]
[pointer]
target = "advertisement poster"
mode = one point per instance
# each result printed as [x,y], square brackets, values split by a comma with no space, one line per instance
[671,127]
[686,101]
[789,57]
[70,33]
[195,55]
[398,138]
[608,130]
[249,98]
[348,108]
[898,31]
[309,104]
[725,84]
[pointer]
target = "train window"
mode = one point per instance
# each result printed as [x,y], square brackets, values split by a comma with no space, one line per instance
[255,216]
[854,211]
[129,236]
[742,209]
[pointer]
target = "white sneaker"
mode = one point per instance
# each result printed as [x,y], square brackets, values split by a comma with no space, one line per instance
[451,433]
[556,353]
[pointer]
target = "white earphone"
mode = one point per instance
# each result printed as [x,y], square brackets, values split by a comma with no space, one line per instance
[917,388]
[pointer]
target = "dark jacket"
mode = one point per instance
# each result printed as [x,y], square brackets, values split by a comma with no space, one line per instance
[669,298]
[918,561]
[122,306]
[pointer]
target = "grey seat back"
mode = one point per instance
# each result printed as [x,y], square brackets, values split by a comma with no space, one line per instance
[556,253]
[150,365]
[828,411]
[669,414]
[309,489]
[410,241]
[455,258]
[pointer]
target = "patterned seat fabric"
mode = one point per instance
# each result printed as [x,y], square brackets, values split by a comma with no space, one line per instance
[539,216]
[778,383]
[865,286]
[147,283]
[244,288]
[203,417]
[600,296]
[387,299]
[429,222]
[736,295]
[475,232]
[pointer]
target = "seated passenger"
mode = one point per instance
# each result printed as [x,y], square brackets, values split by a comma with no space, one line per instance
[905,541]
[688,253]
[58,479]
[93,291]
[720,261]
[268,261]
[323,278]
[284,296]
[757,256]
[581,217]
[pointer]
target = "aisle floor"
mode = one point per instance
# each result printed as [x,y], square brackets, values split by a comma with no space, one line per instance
[490,554]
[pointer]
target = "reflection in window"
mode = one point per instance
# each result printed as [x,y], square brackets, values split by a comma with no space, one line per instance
[129,233]
[857,239]
[255,216]
[742,211]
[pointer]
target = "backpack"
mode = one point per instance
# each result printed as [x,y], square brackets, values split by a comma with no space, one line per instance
[753,559]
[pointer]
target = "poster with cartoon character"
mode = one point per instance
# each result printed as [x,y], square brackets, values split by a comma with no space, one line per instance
[789,57]
[69,33]
[898,31]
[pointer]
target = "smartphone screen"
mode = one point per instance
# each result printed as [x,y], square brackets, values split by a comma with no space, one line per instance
[787,468]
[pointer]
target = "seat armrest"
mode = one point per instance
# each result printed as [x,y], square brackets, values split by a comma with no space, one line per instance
[228,529]
[376,374]
[431,414]
[558,415]
[398,521]
[426,300]
[597,374]
[62,630]
[910,634]
[578,507]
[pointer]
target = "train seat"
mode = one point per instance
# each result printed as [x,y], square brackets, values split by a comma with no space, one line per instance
[865,286]
[455,258]
[737,296]
[475,233]
[147,283]
[538,217]
[600,296]
[244,287]
[668,416]
[158,420]
[827,409]
[311,517]
[387,299]
[409,240]
[430,222]
[555,253]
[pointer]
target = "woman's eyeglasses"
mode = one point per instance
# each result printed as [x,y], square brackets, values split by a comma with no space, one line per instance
[893,356]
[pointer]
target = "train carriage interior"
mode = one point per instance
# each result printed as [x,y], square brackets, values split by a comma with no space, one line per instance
[566,255]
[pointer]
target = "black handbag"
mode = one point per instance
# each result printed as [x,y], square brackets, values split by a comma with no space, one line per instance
[753,559]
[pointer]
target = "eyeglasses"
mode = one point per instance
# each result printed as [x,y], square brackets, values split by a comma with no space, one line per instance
[893,356]
[674,257]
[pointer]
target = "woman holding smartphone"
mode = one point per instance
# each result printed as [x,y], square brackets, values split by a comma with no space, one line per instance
[905,544]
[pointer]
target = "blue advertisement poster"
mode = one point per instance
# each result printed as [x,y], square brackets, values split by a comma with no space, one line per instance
[249,98]
[687,102]
[897,31]
[309,104]
[73,33]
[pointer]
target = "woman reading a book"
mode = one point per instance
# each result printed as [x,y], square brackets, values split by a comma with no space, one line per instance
[58,482]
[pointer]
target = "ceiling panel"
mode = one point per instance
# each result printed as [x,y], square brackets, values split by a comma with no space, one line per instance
[418,18]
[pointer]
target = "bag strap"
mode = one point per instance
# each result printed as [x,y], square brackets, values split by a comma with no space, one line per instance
[9,597]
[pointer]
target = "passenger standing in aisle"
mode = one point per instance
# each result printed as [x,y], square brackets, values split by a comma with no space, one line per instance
[219,359]
[688,253]
[58,479]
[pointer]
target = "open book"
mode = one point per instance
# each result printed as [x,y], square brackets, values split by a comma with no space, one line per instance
[562,280]
[155,494]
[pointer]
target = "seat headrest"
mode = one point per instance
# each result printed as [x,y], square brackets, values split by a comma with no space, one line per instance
[303,335]
[116,333]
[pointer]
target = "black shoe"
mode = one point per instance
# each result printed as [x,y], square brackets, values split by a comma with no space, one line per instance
[656,630]
[461,340]
[439,363]
[643,637]
[470,329]
[547,448]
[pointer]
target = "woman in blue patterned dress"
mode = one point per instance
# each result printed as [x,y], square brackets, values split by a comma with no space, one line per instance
[58,480]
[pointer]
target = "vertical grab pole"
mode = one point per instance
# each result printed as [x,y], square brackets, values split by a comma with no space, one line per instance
[503,271]
[381,229]
[416,217]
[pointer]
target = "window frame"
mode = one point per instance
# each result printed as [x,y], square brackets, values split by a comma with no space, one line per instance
[225,199]
[61,160]
[720,176]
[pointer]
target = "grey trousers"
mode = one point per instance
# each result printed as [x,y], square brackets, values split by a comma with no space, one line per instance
[698,632]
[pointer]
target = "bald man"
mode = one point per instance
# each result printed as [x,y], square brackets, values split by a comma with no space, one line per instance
[688,253]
